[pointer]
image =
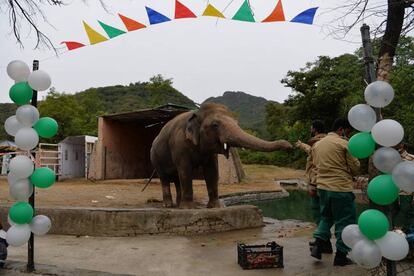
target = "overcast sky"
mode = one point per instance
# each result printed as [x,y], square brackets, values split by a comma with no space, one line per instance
[205,57]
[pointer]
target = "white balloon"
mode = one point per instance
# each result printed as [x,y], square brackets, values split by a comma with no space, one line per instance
[9,220]
[388,133]
[366,253]
[11,178]
[18,70]
[12,125]
[379,94]
[403,176]
[351,235]
[27,115]
[18,234]
[362,117]
[385,159]
[26,138]
[40,225]
[39,80]
[21,166]
[21,190]
[393,246]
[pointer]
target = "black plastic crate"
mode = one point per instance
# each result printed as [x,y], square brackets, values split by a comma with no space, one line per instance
[260,256]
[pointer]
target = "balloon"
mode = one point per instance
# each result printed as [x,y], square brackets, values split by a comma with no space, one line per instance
[351,235]
[379,94]
[21,93]
[362,117]
[382,190]
[11,223]
[393,246]
[367,253]
[18,70]
[39,80]
[43,177]
[21,212]
[12,125]
[373,224]
[11,178]
[46,127]
[403,176]
[388,133]
[18,235]
[40,225]
[27,115]
[21,190]
[361,145]
[26,138]
[21,166]
[385,159]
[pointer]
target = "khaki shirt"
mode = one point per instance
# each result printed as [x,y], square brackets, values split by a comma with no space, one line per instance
[310,167]
[335,167]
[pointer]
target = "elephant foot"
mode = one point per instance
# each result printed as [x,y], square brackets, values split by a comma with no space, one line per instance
[187,205]
[168,204]
[214,204]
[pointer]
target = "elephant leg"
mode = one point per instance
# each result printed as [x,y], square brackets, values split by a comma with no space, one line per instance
[211,176]
[178,191]
[166,193]
[186,181]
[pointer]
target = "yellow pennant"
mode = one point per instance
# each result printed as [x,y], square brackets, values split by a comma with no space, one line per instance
[212,11]
[94,36]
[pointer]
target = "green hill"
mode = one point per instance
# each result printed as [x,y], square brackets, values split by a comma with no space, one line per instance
[249,110]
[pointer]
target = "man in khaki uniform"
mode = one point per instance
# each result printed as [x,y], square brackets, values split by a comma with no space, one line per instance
[334,178]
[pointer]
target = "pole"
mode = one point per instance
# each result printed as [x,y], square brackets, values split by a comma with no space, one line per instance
[370,76]
[30,246]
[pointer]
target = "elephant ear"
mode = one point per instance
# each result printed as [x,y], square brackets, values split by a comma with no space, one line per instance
[192,130]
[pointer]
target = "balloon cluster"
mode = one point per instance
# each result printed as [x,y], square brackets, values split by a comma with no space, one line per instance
[370,239]
[26,127]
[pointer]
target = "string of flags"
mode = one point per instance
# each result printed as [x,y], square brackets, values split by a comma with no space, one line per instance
[244,13]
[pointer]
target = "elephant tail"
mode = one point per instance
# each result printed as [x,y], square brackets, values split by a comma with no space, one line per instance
[149,181]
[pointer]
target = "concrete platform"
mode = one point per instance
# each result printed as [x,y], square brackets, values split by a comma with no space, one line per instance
[100,222]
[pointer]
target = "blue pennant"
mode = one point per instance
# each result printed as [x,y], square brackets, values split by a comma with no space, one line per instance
[305,17]
[156,17]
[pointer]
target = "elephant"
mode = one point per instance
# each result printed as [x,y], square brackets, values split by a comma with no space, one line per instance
[192,140]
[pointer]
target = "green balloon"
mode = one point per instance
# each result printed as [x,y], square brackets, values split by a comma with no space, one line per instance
[46,127]
[361,145]
[21,93]
[43,177]
[373,224]
[382,190]
[21,212]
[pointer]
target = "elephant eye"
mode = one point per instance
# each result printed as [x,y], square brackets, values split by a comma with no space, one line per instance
[215,124]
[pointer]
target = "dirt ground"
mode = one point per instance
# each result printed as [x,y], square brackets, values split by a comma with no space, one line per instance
[127,193]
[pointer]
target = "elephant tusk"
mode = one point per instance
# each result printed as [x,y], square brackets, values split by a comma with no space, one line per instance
[225,146]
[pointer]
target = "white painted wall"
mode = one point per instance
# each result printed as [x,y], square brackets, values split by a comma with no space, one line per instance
[73,160]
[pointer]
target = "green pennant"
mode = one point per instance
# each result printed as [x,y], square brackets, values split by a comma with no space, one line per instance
[244,13]
[111,31]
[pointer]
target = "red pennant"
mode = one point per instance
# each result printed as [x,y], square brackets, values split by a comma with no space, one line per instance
[131,24]
[72,45]
[182,11]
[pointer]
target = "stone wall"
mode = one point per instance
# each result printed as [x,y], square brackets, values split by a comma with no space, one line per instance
[132,222]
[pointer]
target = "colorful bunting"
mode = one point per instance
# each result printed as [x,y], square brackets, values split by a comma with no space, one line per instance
[156,17]
[94,36]
[182,11]
[131,24]
[305,17]
[277,14]
[212,11]
[244,13]
[110,31]
[72,45]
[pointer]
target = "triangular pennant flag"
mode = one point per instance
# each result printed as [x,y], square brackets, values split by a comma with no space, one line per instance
[277,14]
[156,17]
[182,11]
[131,24]
[72,45]
[305,17]
[94,36]
[244,13]
[110,31]
[212,11]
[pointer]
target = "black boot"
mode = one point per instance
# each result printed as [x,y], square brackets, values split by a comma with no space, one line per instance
[316,250]
[326,246]
[3,252]
[341,259]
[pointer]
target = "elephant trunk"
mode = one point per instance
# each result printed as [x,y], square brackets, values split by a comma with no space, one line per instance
[236,137]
